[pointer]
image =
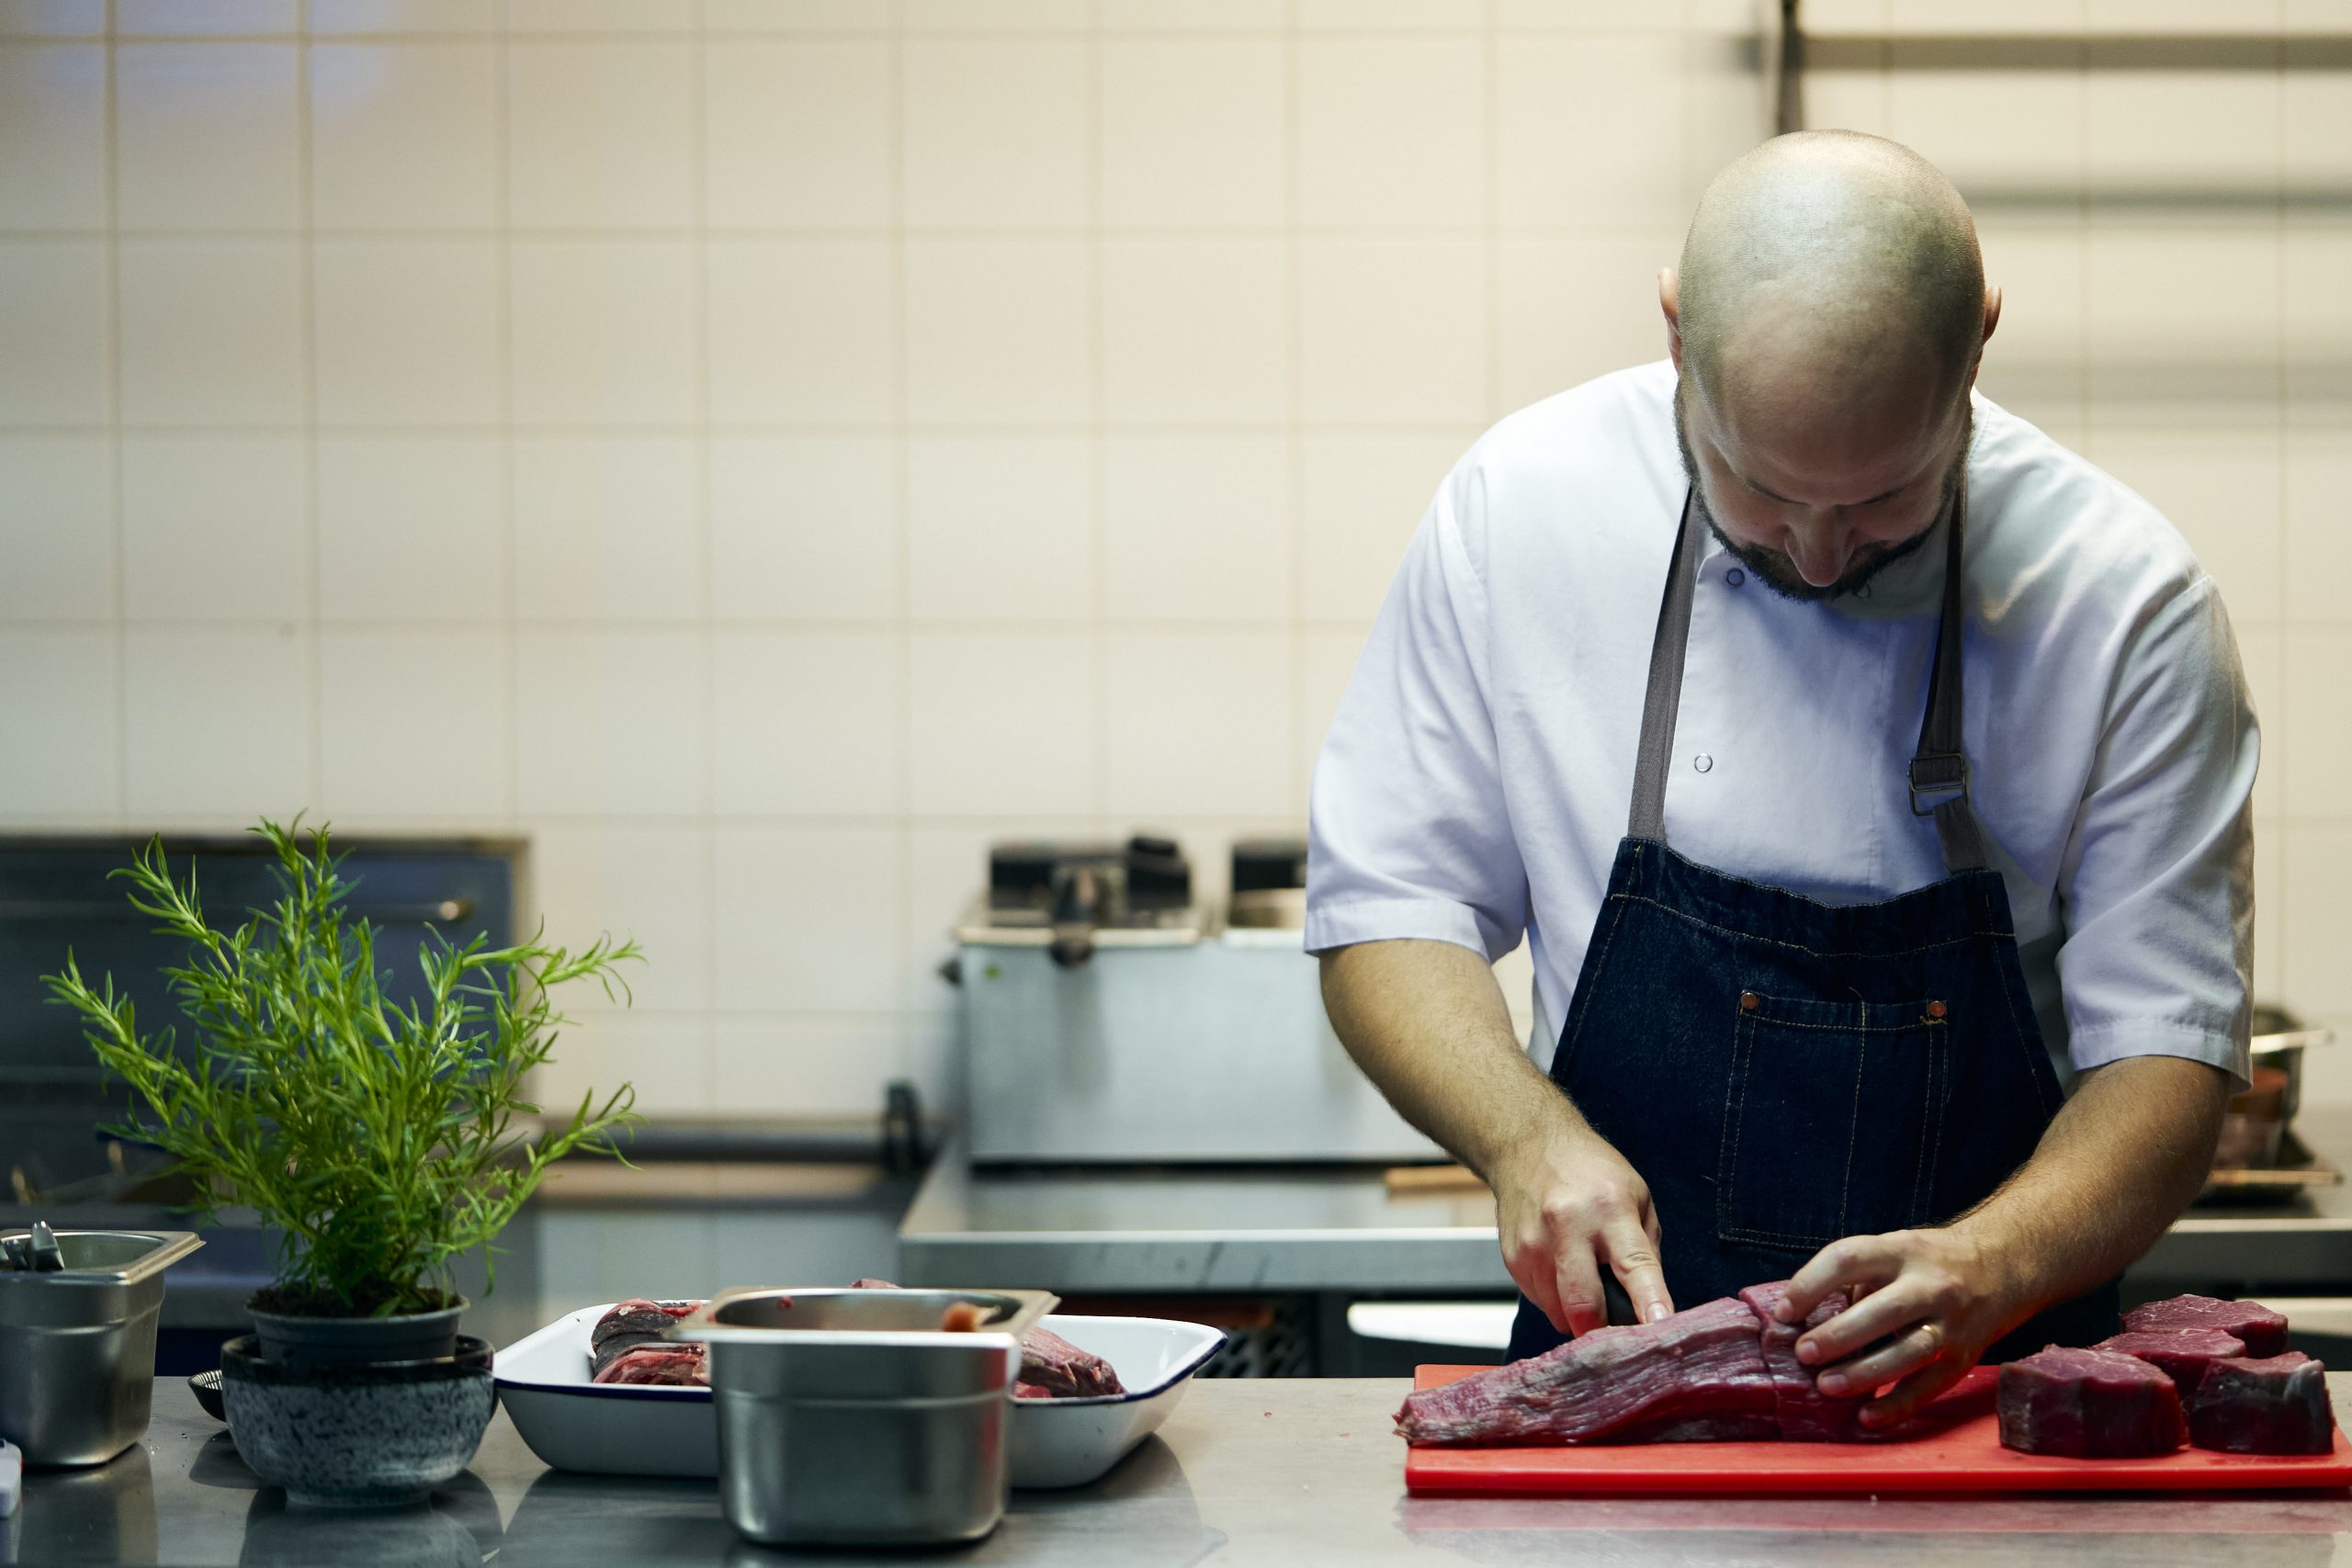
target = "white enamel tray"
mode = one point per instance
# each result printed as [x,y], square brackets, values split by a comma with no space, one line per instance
[632,1430]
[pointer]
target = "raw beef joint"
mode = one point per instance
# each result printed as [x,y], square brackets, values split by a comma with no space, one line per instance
[631,1324]
[2183,1355]
[2273,1405]
[1051,1367]
[2262,1331]
[677,1366]
[1695,1376]
[2088,1405]
[1805,1415]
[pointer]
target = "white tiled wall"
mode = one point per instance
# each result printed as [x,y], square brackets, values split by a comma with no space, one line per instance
[2173,242]
[760,450]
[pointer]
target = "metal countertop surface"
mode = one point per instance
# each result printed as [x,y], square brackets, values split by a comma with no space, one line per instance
[1228,1229]
[1279,1471]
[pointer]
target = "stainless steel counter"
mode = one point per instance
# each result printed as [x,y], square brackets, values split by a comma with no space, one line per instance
[1340,1230]
[1264,1473]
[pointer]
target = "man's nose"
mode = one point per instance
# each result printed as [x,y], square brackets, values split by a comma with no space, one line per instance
[1819,549]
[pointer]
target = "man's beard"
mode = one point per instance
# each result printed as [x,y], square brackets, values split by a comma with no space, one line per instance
[1776,571]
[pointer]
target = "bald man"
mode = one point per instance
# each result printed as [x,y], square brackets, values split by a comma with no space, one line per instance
[1870,775]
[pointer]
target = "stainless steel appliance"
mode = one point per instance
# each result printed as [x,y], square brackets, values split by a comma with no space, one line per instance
[77,1343]
[856,1418]
[1111,1016]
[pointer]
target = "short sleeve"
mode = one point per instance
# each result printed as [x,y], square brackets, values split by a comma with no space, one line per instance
[1408,831]
[2157,887]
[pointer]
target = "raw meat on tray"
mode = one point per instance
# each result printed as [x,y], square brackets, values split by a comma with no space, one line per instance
[2262,1331]
[668,1366]
[1051,1367]
[1695,1376]
[2182,1355]
[634,1328]
[2273,1404]
[2089,1405]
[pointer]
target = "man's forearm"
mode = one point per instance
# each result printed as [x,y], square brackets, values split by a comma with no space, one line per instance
[1427,1023]
[2126,1154]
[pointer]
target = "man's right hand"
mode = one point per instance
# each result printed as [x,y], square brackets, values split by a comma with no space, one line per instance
[1426,1021]
[1565,1209]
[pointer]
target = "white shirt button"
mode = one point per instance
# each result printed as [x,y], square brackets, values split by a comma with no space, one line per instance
[1734,577]
[1703,761]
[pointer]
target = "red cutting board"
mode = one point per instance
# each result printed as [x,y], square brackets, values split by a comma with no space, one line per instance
[1955,1447]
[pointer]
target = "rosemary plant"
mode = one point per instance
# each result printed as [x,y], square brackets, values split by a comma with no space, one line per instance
[379,1140]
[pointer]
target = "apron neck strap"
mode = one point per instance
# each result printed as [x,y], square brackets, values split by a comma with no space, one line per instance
[1939,766]
[1665,695]
[1938,775]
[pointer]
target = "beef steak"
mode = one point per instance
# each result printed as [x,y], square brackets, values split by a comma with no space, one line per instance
[2182,1355]
[2088,1405]
[631,1324]
[1060,1369]
[2271,1404]
[1695,1376]
[1804,1412]
[676,1366]
[2262,1331]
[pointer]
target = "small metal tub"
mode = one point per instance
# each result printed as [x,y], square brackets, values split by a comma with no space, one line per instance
[77,1348]
[851,1417]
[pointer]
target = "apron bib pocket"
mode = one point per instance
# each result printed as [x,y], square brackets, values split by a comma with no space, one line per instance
[1832,1117]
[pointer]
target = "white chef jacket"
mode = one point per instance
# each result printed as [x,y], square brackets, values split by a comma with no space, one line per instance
[1477,779]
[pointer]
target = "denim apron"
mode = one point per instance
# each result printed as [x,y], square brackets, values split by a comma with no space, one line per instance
[1784,1072]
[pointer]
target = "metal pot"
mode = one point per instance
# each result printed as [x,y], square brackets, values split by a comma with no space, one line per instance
[851,1417]
[77,1347]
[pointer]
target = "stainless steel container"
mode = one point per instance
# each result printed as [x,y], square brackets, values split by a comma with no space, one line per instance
[851,1417]
[77,1348]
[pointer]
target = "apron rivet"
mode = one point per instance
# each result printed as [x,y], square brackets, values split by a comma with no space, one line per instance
[1935,1009]
[1749,1001]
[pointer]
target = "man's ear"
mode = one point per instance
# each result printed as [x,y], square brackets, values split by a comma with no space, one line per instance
[1991,320]
[1669,300]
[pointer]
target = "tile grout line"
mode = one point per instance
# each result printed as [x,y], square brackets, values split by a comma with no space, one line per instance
[705,831]
[313,592]
[902,530]
[822,235]
[2284,658]
[1407,35]
[1294,396]
[120,632]
[503,306]
[1098,584]
[1490,201]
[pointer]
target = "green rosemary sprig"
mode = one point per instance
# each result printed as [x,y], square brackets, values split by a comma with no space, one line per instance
[378,1139]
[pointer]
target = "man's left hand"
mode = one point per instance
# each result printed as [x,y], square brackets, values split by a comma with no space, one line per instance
[1926,1305]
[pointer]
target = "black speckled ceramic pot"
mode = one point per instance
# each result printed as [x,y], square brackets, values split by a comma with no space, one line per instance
[344,1436]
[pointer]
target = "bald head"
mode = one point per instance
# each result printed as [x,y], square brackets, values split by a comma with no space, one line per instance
[1827,319]
[1825,263]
